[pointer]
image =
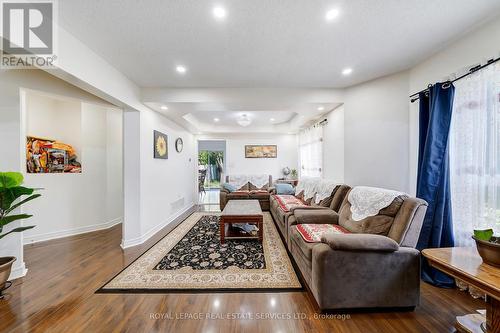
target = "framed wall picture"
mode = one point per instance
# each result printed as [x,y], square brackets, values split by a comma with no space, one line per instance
[261,151]
[160,145]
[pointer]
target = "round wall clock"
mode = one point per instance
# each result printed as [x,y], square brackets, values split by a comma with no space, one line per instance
[179,144]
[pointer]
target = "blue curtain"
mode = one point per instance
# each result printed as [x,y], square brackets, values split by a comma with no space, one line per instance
[433,180]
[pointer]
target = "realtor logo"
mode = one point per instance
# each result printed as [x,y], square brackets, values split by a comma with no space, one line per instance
[28,33]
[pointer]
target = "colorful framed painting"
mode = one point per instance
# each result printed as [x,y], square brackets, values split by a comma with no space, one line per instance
[261,151]
[160,145]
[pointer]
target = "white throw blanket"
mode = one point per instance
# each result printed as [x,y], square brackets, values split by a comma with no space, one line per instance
[324,189]
[308,185]
[368,201]
[238,180]
[259,180]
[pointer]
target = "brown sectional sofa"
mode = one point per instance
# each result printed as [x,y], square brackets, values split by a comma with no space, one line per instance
[247,192]
[377,266]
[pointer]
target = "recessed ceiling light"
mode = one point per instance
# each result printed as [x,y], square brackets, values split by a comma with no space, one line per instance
[181,69]
[346,71]
[216,120]
[332,14]
[219,12]
[164,107]
[321,108]
[272,119]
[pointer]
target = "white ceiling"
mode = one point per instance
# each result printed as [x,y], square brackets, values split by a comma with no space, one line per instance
[267,43]
[199,116]
[284,48]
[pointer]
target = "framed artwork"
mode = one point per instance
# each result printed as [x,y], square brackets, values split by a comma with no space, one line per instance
[261,151]
[50,156]
[160,145]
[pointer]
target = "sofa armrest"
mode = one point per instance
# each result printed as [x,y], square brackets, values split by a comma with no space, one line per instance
[223,189]
[359,242]
[315,215]
[350,279]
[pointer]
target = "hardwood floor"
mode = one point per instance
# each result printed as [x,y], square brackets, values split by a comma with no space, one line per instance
[58,295]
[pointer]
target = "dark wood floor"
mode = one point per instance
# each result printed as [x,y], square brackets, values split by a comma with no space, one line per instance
[58,295]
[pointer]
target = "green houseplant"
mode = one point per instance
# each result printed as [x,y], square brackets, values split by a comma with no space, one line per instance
[10,191]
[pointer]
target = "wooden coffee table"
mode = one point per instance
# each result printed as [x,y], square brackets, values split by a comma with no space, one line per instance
[464,263]
[241,211]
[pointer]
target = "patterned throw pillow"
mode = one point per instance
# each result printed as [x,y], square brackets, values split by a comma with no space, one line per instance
[312,233]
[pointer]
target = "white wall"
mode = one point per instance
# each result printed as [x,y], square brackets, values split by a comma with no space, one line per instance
[376,133]
[236,163]
[333,146]
[476,47]
[82,202]
[10,135]
[166,187]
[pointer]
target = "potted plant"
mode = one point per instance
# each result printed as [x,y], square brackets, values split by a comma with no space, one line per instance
[294,174]
[488,246]
[10,191]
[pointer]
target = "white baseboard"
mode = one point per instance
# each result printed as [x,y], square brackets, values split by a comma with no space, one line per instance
[18,272]
[70,232]
[171,223]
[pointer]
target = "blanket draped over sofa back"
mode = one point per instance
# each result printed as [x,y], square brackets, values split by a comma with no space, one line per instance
[315,187]
[258,181]
[368,201]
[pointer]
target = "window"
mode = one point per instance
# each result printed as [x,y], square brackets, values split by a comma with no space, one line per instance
[311,151]
[475,154]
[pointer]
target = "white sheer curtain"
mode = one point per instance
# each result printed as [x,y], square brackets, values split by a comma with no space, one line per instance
[475,154]
[311,151]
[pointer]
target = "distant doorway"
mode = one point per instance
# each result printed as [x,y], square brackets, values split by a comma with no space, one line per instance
[211,167]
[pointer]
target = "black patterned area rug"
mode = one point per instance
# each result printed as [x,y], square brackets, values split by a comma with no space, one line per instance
[192,259]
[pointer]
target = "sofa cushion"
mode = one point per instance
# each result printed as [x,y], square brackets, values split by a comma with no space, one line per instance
[287,202]
[282,188]
[252,187]
[379,224]
[300,196]
[359,242]
[304,248]
[259,194]
[238,194]
[312,233]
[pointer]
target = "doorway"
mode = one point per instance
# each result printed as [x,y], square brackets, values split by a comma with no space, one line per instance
[211,168]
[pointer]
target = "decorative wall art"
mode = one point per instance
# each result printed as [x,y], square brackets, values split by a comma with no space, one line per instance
[50,156]
[261,151]
[160,145]
[179,145]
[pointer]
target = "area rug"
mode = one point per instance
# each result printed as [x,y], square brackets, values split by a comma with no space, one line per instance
[192,259]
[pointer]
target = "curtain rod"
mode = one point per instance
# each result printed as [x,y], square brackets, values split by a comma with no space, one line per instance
[471,71]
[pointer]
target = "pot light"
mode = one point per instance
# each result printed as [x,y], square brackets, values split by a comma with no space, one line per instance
[321,108]
[216,120]
[181,69]
[164,107]
[219,12]
[346,71]
[272,119]
[332,14]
